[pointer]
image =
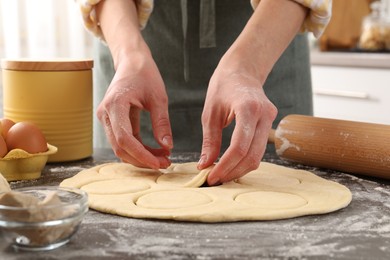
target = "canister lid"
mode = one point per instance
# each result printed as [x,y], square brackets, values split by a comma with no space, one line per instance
[46,65]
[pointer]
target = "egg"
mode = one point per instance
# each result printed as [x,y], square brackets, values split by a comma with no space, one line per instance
[26,136]
[5,125]
[3,147]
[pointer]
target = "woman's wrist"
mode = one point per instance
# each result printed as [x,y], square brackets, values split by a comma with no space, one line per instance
[135,54]
[267,34]
[121,32]
[240,60]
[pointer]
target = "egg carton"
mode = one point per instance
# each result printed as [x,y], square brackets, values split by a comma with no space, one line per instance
[18,164]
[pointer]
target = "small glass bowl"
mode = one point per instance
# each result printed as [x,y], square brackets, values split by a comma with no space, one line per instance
[20,227]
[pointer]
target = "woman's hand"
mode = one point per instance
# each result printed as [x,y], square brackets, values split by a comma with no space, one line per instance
[137,85]
[235,95]
[235,90]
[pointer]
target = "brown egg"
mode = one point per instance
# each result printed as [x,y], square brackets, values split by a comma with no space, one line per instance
[5,125]
[26,136]
[3,147]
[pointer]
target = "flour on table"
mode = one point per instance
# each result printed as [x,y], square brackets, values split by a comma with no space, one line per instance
[271,192]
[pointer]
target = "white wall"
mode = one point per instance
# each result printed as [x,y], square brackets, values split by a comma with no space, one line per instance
[386,3]
[42,29]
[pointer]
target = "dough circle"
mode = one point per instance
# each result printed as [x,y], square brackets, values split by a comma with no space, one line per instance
[268,193]
[280,200]
[172,199]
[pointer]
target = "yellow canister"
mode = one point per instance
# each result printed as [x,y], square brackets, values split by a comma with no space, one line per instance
[56,95]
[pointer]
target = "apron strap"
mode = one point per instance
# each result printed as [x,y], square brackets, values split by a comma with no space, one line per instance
[184,23]
[207,30]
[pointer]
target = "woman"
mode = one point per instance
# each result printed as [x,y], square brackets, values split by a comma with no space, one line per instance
[218,65]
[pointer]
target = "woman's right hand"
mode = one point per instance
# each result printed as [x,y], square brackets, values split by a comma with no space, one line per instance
[137,85]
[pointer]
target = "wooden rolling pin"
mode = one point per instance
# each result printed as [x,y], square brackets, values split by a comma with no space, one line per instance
[347,146]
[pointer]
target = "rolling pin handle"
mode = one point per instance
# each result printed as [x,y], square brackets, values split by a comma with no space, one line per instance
[271,136]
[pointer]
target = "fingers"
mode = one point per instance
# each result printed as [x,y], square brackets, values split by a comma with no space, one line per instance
[134,116]
[212,139]
[125,145]
[241,142]
[161,125]
[245,152]
[252,160]
[161,155]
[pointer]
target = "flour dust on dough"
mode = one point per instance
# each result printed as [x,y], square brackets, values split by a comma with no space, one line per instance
[271,192]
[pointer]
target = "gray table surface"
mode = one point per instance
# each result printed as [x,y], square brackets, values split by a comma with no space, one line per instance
[360,231]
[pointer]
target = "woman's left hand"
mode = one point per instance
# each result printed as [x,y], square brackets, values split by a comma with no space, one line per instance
[236,90]
[235,94]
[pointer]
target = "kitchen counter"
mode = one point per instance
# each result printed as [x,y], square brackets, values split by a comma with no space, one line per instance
[360,231]
[351,85]
[351,59]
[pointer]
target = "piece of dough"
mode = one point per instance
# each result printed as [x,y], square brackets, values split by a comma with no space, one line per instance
[4,185]
[268,193]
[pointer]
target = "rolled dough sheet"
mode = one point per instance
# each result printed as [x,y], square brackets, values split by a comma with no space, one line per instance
[271,192]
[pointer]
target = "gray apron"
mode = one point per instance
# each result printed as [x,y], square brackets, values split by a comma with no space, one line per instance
[187,40]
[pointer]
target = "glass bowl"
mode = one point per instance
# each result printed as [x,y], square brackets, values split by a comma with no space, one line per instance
[46,226]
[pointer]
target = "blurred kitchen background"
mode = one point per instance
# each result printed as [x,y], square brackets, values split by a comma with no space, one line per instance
[350,73]
[351,63]
[42,29]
